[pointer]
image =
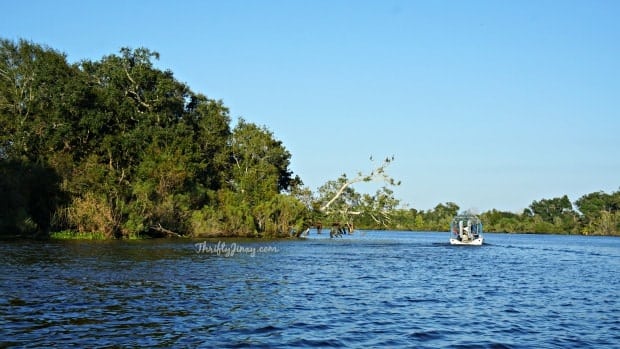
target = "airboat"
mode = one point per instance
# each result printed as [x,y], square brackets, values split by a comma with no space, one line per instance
[466,229]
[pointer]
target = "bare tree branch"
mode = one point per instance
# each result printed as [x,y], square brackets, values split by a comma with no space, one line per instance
[377,174]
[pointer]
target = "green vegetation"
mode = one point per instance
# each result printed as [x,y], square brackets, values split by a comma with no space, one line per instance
[593,214]
[117,148]
[73,235]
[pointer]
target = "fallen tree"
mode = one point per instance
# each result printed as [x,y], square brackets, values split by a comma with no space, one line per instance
[339,203]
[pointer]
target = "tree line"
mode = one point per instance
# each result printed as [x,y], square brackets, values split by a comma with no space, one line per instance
[597,213]
[119,147]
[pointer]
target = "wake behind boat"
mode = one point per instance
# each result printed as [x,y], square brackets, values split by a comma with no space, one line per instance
[466,229]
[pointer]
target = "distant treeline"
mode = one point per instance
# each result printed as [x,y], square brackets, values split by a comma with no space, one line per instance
[120,148]
[596,213]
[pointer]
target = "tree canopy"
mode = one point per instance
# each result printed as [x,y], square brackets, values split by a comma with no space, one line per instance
[121,148]
[124,149]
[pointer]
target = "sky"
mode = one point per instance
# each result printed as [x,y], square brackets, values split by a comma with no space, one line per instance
[487,104]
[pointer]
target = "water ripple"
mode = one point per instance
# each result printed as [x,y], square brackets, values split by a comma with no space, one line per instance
[383,289]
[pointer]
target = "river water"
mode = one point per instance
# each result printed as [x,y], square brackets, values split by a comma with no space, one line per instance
[370,289]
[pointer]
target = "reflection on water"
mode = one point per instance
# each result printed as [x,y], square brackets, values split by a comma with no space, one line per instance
[377,289]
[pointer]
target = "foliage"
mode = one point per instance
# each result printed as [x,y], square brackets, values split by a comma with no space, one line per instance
[259,163]
[339,203]
[119,148]
[598,214]
[30,197]
[436,219]
[549,209]
[128,150]
[72,235]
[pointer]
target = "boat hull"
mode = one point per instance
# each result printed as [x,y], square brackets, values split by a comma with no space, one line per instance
[475,242]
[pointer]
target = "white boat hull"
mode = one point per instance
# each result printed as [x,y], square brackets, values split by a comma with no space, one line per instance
[474,242]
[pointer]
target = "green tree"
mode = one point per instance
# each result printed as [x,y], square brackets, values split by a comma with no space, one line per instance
[440,217]
[35,100]
[600,213]
[35,118]
[380,207]
[211,122]
[547,209]
[135,150]
[130,106]
[500,221]
[259,163]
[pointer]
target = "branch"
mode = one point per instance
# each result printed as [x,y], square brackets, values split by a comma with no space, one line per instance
[167,232]
[5,74]
[376,175]
[338,193]
[134,92]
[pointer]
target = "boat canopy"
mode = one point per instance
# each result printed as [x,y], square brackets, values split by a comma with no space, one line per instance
[467,224]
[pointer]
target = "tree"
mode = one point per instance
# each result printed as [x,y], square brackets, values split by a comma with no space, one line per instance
[133,120]
[500,221]
[593,204]
[211,122]
[35,114]
[259,163]
[253,200]
[600,213]
[338,201]
[380,207]
[440,217]
[547,209]
[35,101]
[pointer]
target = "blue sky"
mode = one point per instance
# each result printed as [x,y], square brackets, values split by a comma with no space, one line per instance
[488,104]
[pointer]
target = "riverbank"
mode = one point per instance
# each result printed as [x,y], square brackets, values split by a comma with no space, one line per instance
[73,235]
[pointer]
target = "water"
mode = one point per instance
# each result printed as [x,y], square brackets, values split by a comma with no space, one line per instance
[372,289]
